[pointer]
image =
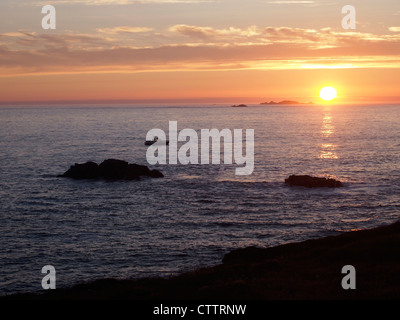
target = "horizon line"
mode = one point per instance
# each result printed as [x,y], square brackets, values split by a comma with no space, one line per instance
[208,101]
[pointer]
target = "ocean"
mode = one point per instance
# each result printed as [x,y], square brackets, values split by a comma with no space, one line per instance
[194,215]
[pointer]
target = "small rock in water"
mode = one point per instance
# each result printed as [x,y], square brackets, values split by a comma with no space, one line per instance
[313,182]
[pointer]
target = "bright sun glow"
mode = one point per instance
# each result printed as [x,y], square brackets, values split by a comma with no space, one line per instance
[328,93]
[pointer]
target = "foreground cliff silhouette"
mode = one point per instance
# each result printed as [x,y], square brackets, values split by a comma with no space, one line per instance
[305,270]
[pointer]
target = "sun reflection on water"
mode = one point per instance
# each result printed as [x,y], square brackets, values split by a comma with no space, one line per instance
[328,149]
[327,126]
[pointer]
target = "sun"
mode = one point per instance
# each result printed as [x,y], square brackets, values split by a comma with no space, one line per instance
[328,93]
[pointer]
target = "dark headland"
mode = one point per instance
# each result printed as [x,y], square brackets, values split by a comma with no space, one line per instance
[304,270]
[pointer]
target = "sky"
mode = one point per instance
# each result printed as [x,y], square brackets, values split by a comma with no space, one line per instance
[199,51]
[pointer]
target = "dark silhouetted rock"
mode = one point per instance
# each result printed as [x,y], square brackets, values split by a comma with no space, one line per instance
[110,169]
[88,170]
[313,182]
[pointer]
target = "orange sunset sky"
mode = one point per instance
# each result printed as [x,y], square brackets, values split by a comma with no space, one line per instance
[199,51]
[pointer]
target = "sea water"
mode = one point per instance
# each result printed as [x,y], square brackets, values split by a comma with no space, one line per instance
[197,213]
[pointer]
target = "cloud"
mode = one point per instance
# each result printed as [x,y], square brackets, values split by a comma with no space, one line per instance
[116,2]
[212,33]
[394,29]
[307,3]
[290,2]
[312,38]
[32,41]
[188,47]
[124,29]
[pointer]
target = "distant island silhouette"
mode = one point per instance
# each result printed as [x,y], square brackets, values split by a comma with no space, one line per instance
[286,102]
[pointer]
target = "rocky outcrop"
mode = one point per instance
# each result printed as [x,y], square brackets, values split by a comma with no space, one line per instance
[313,182]
[110,169]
